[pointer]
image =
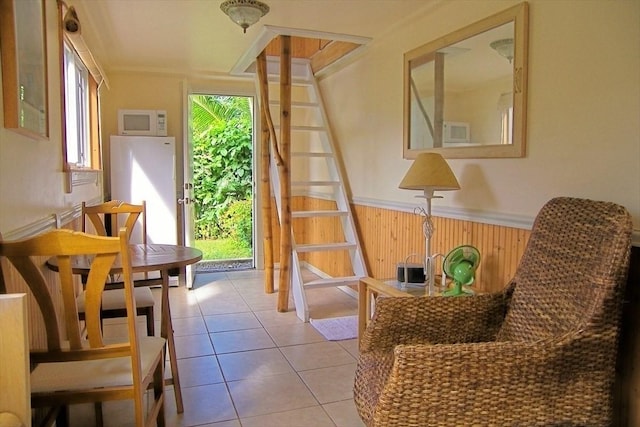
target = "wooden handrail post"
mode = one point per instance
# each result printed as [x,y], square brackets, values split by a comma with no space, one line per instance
[285,178]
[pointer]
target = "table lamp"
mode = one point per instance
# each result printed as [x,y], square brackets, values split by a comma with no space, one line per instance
[429,173]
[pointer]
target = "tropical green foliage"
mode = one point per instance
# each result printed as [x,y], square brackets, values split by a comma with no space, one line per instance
[236,220]
[222,145]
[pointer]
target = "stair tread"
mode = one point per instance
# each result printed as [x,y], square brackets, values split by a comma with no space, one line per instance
[315,182]
[295,81]
[310,154]
[313,247]
[306,128]
[317,213]
[296,104]
[332,281]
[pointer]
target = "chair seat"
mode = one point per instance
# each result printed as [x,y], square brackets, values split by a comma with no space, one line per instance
[88,374]
[113,299]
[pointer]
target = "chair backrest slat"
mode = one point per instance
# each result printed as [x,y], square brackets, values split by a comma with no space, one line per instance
[111,213]
[63,245]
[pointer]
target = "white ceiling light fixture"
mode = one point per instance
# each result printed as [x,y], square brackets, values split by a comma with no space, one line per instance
[504,47]
[244,12]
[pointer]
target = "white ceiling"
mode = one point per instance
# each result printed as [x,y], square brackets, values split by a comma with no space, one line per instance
[195,37]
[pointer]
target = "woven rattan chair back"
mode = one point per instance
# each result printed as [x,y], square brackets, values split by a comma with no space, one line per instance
[572,272]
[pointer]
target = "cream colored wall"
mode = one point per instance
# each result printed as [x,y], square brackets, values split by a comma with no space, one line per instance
[584,104]
[32,184]
[583,134]
[148,91]
[131,92]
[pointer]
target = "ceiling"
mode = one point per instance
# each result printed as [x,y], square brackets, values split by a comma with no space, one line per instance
[194,37]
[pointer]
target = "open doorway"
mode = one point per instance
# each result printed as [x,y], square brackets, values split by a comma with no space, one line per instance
[221,129]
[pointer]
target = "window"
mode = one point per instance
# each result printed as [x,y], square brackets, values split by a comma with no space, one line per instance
[81,80]
[77,123]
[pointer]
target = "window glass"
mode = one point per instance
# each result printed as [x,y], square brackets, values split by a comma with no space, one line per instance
[76,81]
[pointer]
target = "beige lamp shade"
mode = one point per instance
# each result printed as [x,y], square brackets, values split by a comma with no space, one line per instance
[430,170]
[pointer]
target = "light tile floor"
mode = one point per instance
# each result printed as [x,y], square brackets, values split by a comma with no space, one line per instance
[242,363]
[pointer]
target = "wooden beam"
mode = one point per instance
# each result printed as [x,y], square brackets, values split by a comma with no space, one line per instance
[265,186]
[285,177]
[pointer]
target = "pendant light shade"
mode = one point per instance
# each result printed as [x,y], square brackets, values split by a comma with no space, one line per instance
[244,12]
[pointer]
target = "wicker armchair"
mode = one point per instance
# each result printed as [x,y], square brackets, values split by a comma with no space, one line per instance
[541,353]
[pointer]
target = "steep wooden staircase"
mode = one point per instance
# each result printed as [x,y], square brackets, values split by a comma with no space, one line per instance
[315,173]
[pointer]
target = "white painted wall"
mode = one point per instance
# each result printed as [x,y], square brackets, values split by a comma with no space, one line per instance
[583,118]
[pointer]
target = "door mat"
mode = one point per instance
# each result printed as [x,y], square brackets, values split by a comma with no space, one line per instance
[337,328]
[223,265]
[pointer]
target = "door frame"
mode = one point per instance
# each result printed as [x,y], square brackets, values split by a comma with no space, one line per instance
[223,88]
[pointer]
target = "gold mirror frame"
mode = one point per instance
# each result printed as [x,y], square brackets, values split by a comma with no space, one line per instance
[24,67]
[519,17]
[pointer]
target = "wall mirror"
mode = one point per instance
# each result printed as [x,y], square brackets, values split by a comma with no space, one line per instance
[24,67]
[465,94]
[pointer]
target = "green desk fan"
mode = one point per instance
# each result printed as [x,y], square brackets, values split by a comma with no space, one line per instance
[460,265]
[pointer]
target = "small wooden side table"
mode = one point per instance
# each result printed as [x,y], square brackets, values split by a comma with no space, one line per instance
[370,288]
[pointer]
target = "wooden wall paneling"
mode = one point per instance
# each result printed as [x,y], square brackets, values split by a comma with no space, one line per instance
[389,236]
[15,284]
[301,47]
[489,263]
[329,53]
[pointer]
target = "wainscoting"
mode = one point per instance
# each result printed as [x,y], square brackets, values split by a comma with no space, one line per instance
[15,284]
[389,236]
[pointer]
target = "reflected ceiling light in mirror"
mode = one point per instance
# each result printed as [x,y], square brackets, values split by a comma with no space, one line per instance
[244,12]
[504,47]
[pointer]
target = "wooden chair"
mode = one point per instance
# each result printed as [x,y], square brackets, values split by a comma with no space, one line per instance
[541,353]
[73,369]
[105,218]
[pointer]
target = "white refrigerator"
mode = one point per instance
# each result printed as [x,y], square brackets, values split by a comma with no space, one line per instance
[144,168]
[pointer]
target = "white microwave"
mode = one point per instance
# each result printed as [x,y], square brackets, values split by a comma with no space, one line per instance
[142,122]
[456,132]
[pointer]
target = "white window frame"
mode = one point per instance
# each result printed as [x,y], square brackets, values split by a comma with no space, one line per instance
[77,117]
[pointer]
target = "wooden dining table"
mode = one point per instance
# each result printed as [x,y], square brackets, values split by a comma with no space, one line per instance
[148,258]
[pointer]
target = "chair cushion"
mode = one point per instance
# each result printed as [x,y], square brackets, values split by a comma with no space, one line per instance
[89,374]
[113,299]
